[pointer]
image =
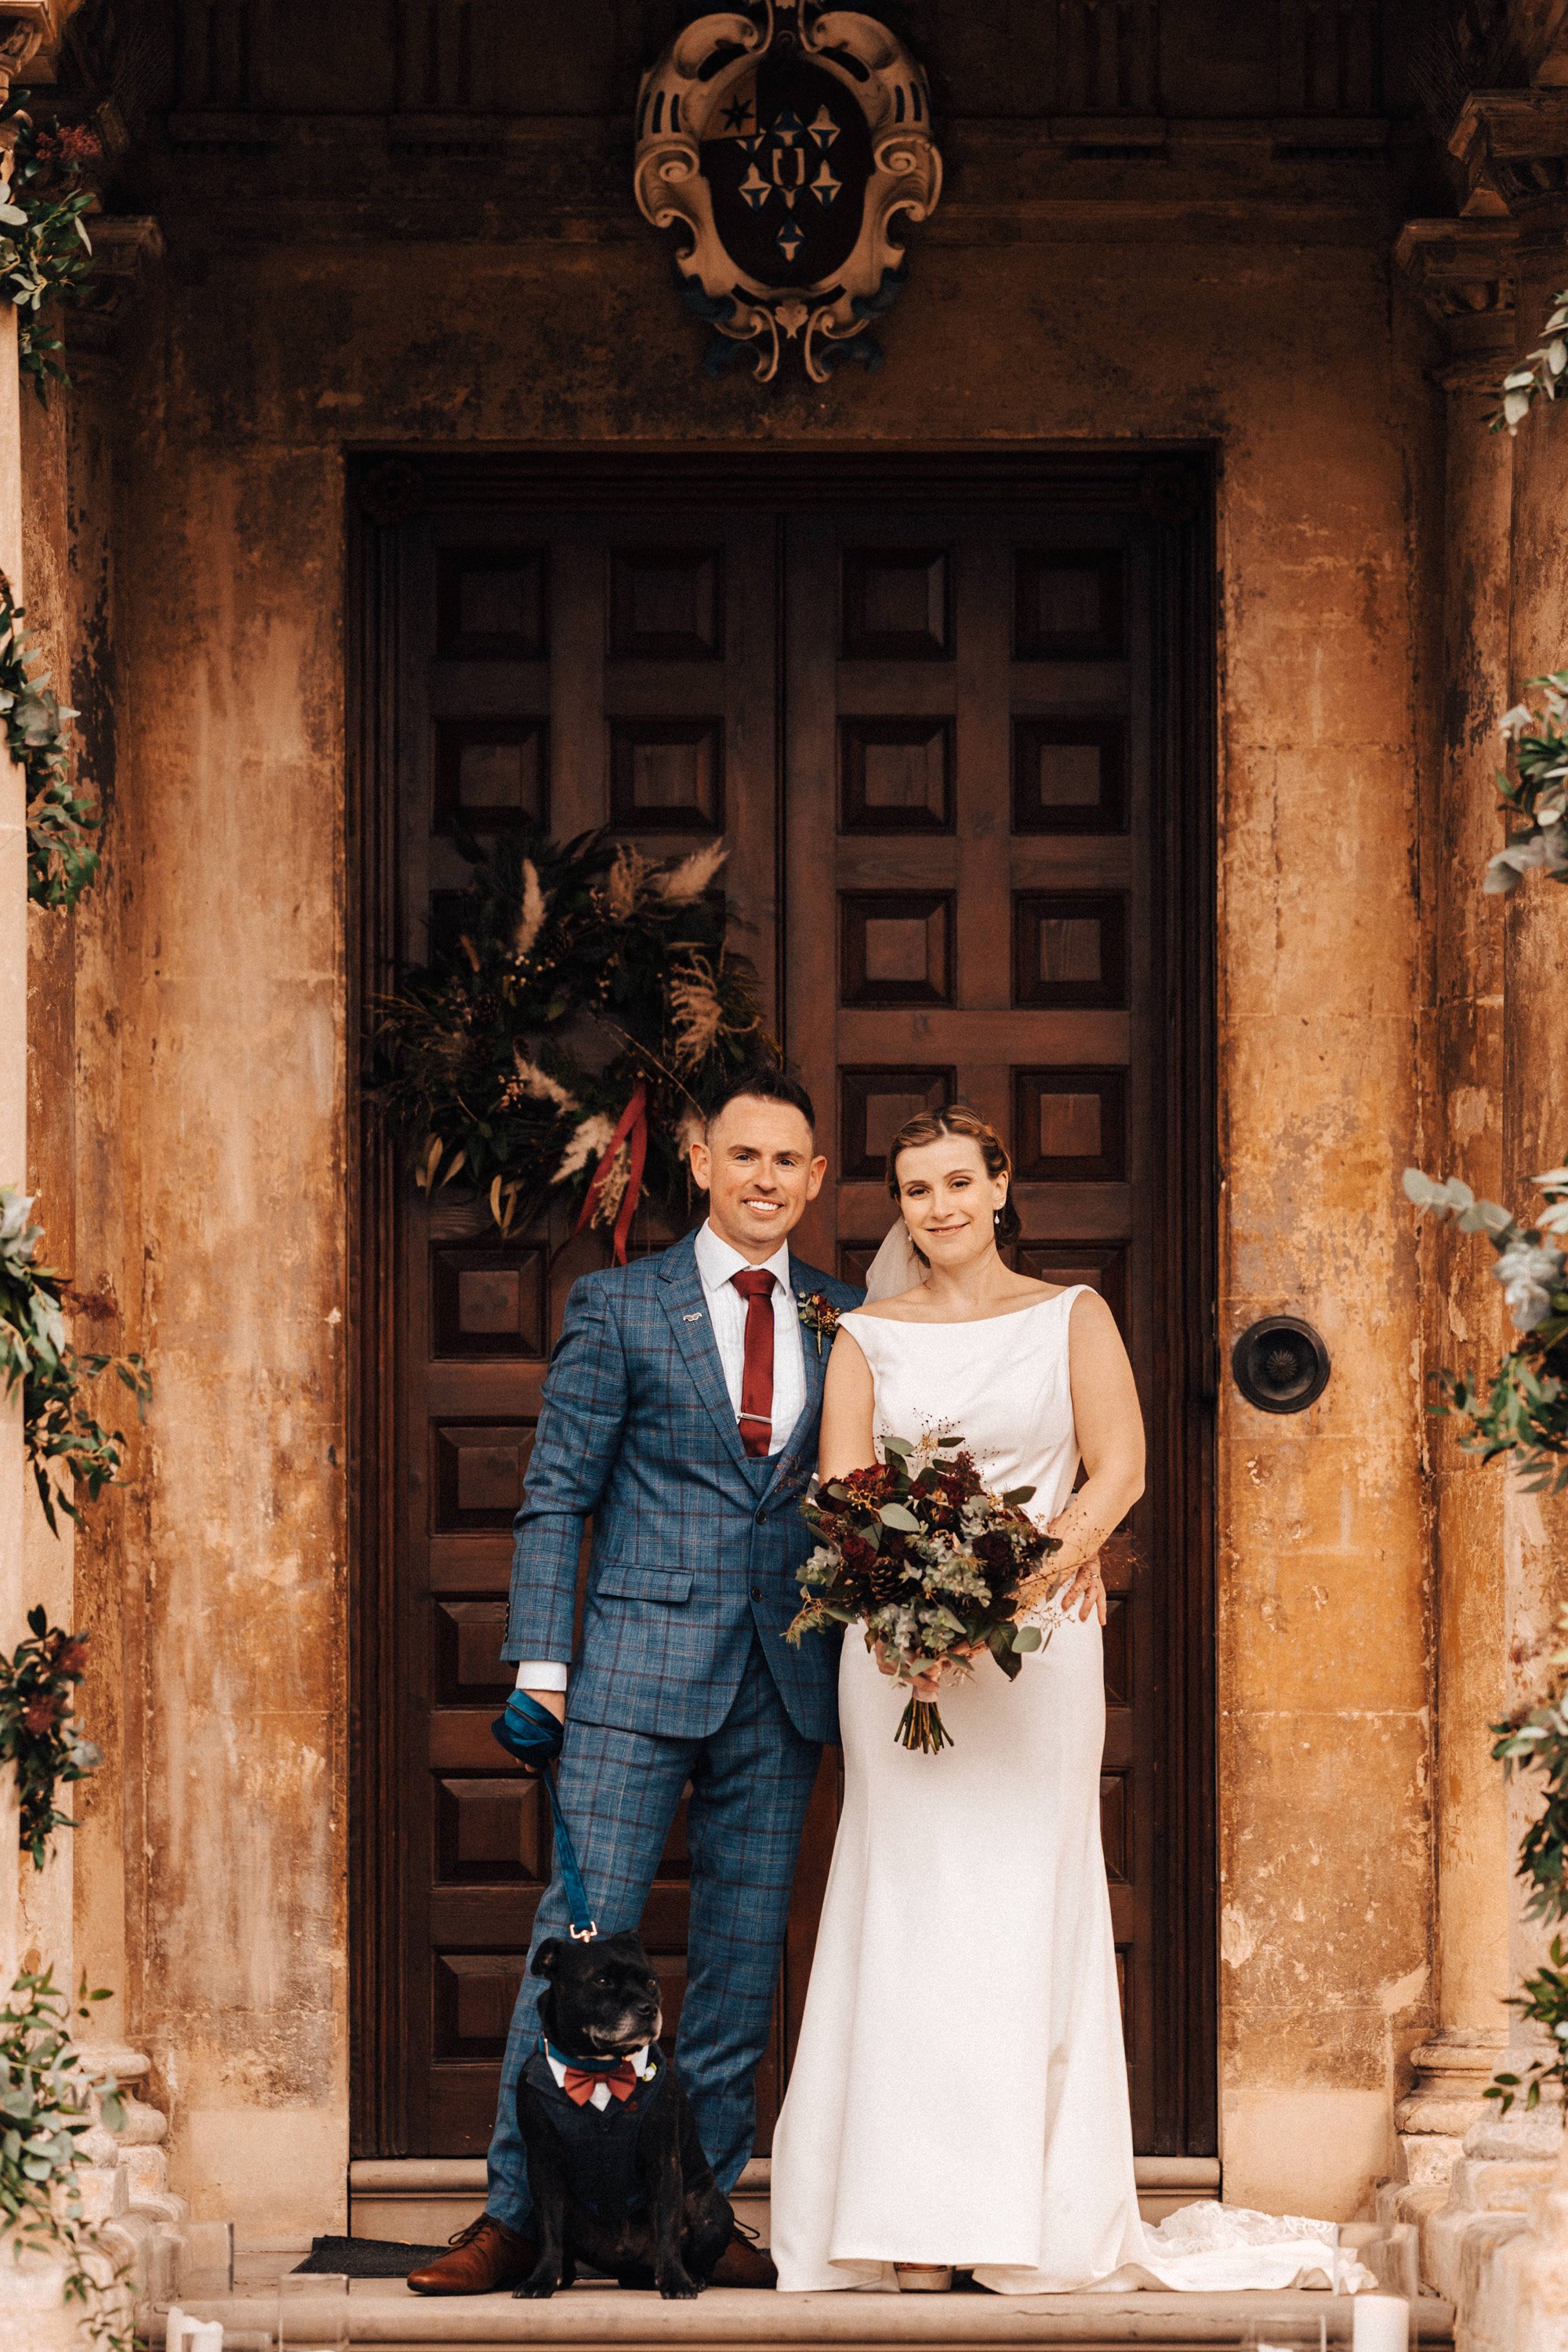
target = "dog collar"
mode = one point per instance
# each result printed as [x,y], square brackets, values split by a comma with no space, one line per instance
[600,2065]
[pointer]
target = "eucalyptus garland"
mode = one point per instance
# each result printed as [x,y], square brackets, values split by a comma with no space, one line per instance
[1522,1409]
[1537,791]
[46,257]
[67,1446]
[62,856]
[1536,1739]
[46,254]
[47,2098]
[564,1042]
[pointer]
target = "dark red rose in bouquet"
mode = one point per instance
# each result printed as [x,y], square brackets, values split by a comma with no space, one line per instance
[934,1564]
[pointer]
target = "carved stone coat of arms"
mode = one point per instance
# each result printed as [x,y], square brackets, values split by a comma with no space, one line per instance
[785,142]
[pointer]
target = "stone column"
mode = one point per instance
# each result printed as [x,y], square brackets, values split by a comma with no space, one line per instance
[14,1480]
[1535,1064]
[29,33]
[1461,271]
[1499,2246]
[32,2314]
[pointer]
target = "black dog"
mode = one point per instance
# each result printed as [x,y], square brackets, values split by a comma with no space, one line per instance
[623,2187]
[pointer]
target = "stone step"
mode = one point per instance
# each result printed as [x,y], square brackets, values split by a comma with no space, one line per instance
[421,2200]
[1481,2184]
[724,2320]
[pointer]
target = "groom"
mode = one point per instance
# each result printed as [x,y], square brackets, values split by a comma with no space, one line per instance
[681,1410]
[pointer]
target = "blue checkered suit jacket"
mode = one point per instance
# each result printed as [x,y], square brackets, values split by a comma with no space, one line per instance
[696,1544]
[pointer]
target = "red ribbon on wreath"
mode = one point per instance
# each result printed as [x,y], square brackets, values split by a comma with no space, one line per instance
[632,1130]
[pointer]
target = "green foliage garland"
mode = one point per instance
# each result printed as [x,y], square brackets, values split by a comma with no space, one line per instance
[37,1685]
[583,972]
[1539,377]
[62,860]
[1536,1739]
[46,254]
[44,257]
[1538,793]
[47,2096]
[67,1446]
[1523,1410]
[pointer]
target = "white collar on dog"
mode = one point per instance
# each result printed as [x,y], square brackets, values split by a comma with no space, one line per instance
[599,2097]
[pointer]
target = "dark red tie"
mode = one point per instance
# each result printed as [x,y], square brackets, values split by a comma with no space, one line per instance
[756,1288]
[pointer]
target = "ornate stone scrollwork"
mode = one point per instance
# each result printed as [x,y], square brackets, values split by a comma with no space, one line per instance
[784,142]
[27,28]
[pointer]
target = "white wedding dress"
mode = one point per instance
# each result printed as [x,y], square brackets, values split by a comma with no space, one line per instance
[960,2093]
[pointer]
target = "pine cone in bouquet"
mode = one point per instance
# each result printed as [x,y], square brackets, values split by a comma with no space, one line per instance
[885,1579]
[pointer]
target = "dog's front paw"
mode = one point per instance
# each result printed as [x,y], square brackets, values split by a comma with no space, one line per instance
[677,2284]
[541,2283]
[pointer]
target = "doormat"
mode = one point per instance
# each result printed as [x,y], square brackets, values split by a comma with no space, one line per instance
[366,2258]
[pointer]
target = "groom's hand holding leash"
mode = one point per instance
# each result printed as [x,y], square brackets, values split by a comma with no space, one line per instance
[554,1703]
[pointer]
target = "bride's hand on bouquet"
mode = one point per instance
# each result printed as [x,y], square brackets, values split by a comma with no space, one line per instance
[1087,1590]
[927,1687]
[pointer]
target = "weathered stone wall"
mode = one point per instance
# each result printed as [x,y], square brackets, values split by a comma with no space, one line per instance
[1330,681]
[1269,335]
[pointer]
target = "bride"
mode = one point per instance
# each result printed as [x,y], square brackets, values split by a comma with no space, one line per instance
[960,2093]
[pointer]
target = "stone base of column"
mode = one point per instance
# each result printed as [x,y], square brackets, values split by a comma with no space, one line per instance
[1452,2071]
[124,2182]
[1507,2163]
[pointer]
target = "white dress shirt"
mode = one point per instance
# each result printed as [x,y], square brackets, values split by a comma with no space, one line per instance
[717,1262]
[599,2097]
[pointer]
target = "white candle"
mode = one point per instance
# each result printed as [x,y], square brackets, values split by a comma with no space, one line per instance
[184,2334]
[1380,2323]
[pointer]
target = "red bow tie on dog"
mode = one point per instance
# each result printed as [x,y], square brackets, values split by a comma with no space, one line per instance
[583,2081]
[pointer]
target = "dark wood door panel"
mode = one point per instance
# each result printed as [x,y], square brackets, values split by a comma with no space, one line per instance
[1006,763]
[589,669]
[960,758]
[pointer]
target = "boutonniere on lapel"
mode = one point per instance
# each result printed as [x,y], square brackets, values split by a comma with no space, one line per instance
[818,1313]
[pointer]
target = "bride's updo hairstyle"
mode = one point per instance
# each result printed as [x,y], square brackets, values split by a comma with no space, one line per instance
[957,1119]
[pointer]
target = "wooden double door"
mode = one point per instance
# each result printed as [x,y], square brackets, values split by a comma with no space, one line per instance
[951,722]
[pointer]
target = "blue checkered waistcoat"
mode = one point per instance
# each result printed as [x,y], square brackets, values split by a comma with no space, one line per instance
[696,1544]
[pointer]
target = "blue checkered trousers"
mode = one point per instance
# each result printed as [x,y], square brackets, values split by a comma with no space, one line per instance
[683,1674]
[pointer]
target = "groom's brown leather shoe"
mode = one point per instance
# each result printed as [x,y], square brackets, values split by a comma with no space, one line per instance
[743,2264]
[480,2260]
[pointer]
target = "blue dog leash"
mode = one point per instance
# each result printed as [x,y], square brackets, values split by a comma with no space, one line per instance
[531,1733]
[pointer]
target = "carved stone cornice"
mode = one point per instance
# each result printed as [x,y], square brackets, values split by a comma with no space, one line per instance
[1461,271]
[1511,146]
[1538,33]
[125,249]
[29,37]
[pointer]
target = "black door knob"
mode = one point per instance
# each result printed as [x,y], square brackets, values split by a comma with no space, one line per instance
[1280,1364]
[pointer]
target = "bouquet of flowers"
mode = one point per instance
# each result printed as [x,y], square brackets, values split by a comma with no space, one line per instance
[936,1565]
